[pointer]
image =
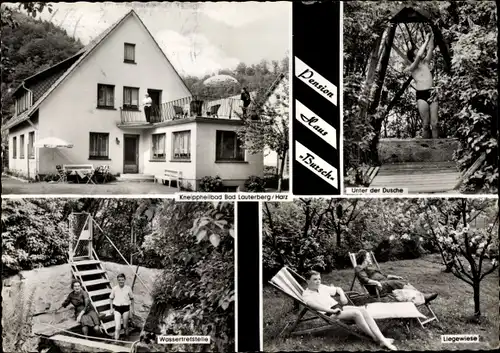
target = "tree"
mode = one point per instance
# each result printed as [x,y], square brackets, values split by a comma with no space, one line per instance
[451,223]
[268,126]
[451,226]
[31,8]
[195,292]
[29,46]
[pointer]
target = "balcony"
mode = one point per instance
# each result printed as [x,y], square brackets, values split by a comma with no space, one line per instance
[184,108]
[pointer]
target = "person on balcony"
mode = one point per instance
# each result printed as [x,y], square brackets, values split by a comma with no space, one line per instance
[245,97]
[147,102]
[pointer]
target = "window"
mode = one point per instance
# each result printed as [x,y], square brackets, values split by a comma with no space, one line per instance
[31,142]
[105,96]
[228,147]
[131,97]
[182,145]
[21,147]
[129,53]
[158,147]
[14,147]
[99,145]
[23,102]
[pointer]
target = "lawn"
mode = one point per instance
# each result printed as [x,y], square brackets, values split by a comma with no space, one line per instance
[454,307]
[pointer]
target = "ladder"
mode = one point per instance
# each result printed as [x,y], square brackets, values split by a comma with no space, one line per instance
[87,268]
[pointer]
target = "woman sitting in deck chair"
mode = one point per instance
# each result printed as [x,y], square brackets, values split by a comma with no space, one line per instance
[122,303]
[369,275]
[84,313]
[319,297]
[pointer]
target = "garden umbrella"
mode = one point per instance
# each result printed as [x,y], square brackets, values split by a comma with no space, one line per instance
[219,80]
[52,142]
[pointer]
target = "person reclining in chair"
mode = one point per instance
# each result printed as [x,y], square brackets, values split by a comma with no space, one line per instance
[368,275]
[319,297]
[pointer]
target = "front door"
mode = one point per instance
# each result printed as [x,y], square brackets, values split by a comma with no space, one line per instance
[130,154]
[156,105]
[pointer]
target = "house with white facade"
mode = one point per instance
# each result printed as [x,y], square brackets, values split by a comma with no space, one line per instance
[93,100]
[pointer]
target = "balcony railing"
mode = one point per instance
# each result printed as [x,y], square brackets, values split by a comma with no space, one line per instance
[188,107]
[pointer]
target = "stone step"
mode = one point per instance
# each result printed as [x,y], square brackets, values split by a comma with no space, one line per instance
[416,150]
[136,177]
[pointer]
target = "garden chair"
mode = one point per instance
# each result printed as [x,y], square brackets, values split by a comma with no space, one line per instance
[103,170]
[373,291]
[286,281]
[90,176]
[179,112]
[214,110]
[62,174]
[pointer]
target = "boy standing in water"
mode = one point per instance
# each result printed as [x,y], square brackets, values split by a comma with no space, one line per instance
[122,302]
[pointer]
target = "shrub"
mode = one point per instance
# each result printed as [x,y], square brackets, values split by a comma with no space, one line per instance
[50,177]
[271,181]
[31,236]
[255,184]
[211,184]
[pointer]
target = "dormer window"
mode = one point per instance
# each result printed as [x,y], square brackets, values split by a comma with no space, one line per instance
[24,102]
[129,53]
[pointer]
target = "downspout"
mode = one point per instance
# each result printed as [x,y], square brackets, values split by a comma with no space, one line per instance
[35,137]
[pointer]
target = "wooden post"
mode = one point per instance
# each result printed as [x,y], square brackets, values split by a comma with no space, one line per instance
[91,227]
[384,61]
[135,276]
[28,158]
[398,95]
[131,242]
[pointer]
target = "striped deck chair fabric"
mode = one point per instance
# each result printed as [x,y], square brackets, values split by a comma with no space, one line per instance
[371,289]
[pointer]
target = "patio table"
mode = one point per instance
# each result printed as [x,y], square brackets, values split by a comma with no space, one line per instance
[83,171]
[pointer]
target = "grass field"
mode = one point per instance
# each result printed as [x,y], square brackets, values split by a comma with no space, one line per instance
[454,308]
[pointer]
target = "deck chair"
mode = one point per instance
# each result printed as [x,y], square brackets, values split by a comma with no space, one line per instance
[179,112]
[373,291]
[62,174]
[286,281]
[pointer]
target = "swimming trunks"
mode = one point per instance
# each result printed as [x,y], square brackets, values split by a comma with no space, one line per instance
[122,309]
[428,95]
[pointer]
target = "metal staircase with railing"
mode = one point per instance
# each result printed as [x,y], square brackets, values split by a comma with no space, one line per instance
[88,269]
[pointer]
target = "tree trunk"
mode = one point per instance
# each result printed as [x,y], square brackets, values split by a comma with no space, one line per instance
[477,304]
[282,167]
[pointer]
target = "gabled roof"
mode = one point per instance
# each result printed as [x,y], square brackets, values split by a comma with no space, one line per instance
[84,53]
[263,99]
[409,14]
[38,75]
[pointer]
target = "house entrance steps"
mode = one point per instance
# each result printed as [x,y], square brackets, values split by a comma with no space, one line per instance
[136,177]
